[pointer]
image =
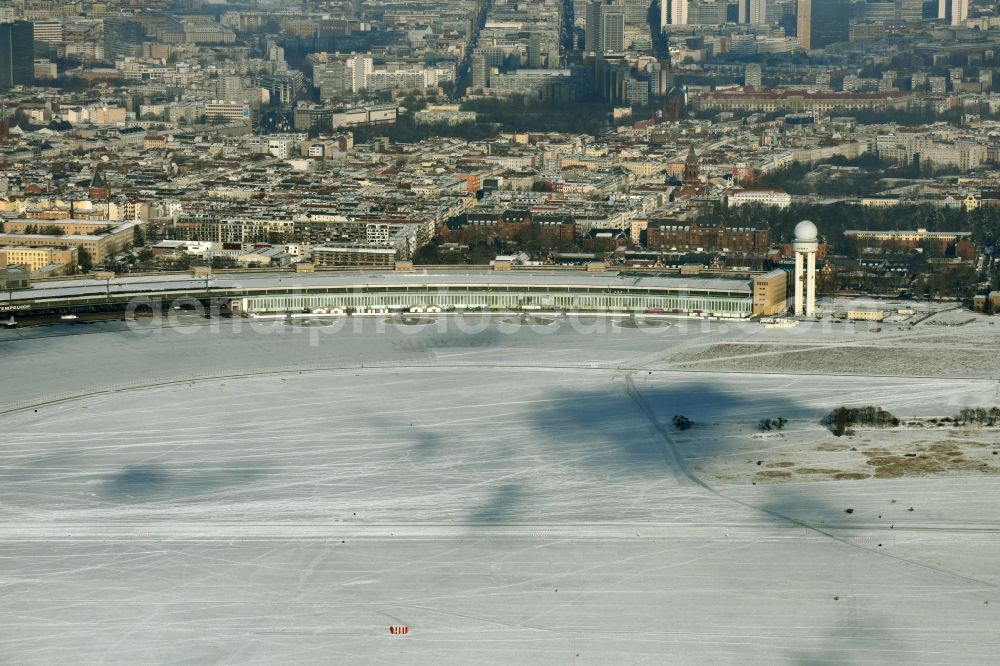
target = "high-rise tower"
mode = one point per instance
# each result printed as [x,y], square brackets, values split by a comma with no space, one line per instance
[678,12]
[753,12]
[605,28]
[803,23]
[17,59]
[954,10]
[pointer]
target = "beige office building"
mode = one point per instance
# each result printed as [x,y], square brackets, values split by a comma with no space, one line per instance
[770,293]
[36,258]
[100,245]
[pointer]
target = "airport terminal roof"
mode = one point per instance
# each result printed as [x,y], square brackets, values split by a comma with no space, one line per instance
[271,280]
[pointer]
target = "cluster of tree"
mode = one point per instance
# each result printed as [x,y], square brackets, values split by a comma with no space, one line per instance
[532,241]
[960,281]
[984,223]
[515,114]
[865,182]
[525,114]
[833,219]
[478,252]
[183,262]
[979,415]
[84,259]
[272,117]
[407,130]
[841,419]
[71,83]
[922,281]
[224,262]
[20,119]
[145,256]
[682,422]
[297,48]
[48,230]
[483,250]
[767,424]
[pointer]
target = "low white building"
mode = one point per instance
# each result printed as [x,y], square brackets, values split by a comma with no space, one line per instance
[762,197]
[232,111]
[192,248]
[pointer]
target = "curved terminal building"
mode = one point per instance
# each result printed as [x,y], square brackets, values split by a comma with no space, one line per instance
[362,292]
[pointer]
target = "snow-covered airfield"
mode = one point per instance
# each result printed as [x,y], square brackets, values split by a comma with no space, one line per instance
[194,491]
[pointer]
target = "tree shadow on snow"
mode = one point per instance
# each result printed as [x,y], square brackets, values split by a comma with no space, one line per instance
[628,429]
[587,420]
[423,442]
[136,484]
[502,506]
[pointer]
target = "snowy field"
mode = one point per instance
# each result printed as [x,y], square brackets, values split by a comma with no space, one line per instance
[513,493]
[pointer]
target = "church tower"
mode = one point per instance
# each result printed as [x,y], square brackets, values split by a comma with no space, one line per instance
[691,168]
[98,189]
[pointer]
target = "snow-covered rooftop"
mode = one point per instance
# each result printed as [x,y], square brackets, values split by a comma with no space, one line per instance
[55,288]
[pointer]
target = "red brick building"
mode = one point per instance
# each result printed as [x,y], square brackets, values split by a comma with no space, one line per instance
[965,249]
[551,228]
[673,235]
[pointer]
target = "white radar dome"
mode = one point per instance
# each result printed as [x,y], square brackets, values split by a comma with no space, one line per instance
[806,231]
